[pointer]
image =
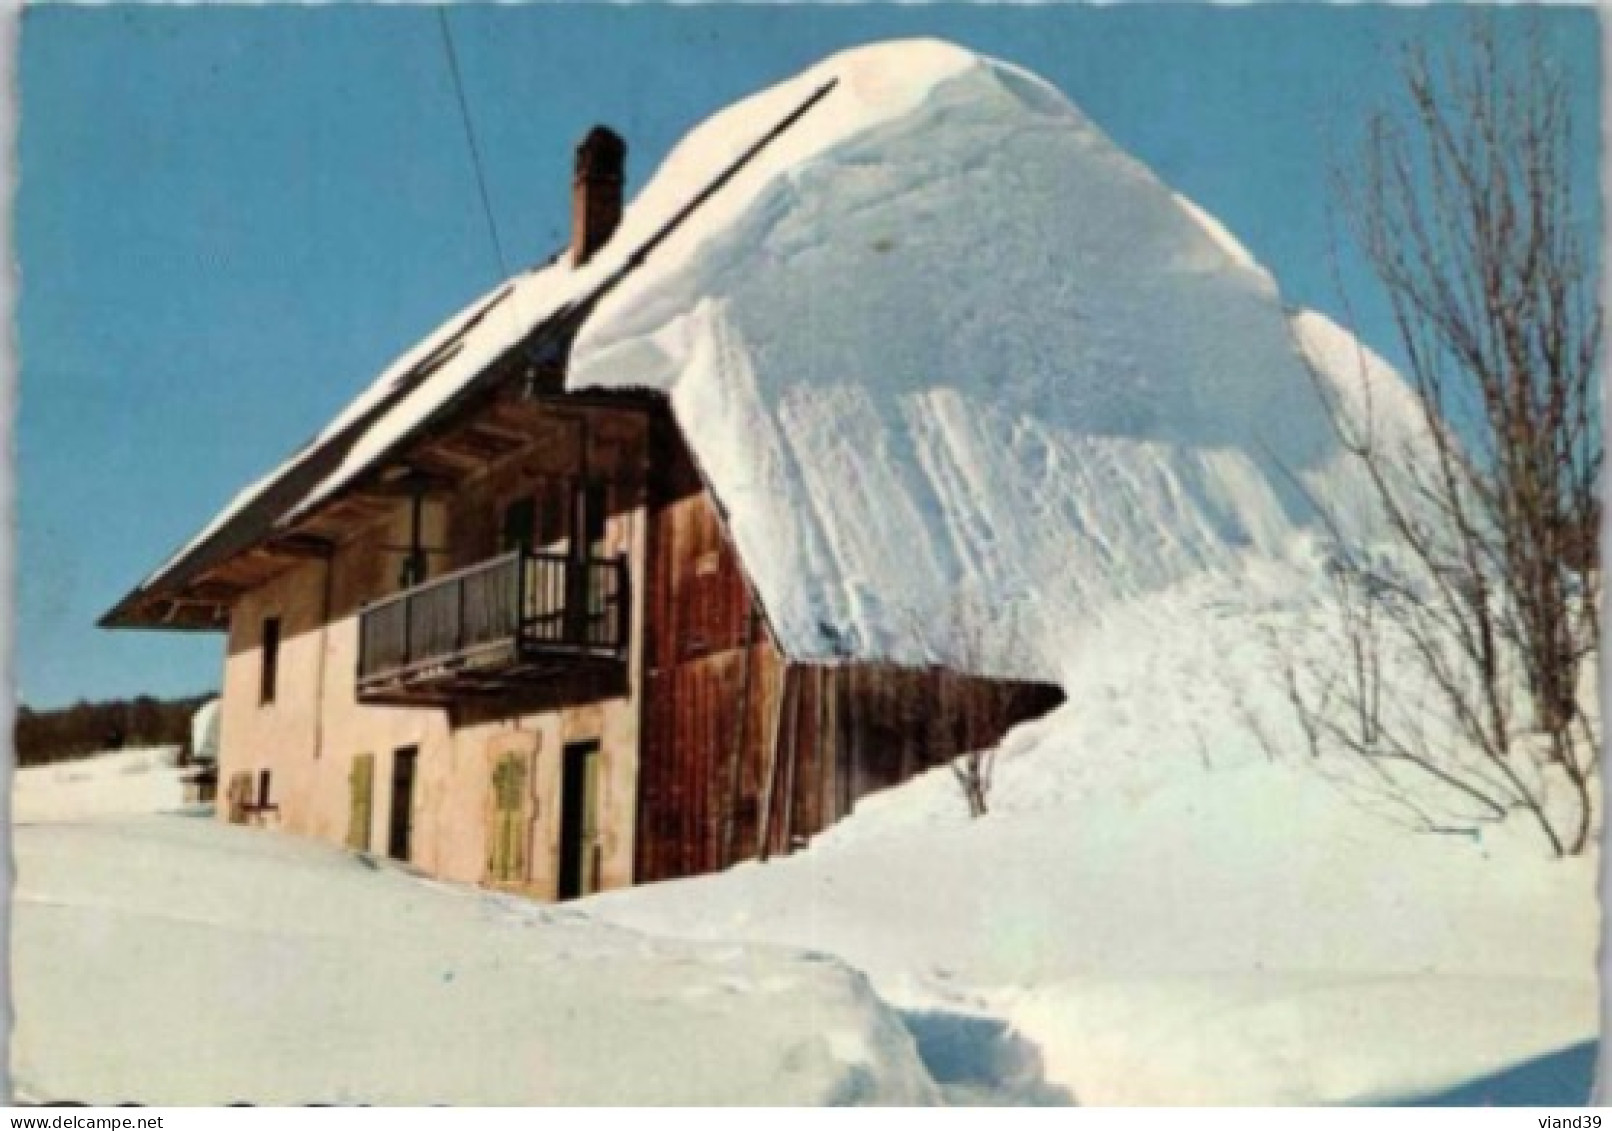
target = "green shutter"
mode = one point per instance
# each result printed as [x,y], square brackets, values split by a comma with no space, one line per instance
[506,858]
[362,781]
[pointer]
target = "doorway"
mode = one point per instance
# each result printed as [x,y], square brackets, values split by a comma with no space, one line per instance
[579,821]
[399,838]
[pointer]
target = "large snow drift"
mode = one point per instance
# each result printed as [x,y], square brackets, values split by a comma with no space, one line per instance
[912,307]
[942,336]
[178,960]
[1169,903]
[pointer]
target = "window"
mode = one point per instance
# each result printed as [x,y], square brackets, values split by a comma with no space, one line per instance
[263,799]
[537,521]
[560,515]
[520,524]
[271,659]
[595,503]
[415,569]
[554,513]
[416,563]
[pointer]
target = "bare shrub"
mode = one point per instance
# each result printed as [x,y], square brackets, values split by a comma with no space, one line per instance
[966,713]
[1466,648]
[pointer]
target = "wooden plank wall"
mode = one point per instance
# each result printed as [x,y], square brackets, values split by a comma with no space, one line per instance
[697,624]
[813,737]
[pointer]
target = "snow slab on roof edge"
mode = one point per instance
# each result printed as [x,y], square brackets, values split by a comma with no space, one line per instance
[963,374]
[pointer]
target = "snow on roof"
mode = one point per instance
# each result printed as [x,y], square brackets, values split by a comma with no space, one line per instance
[404,394]
[432,376]
[943,351]
[948,355]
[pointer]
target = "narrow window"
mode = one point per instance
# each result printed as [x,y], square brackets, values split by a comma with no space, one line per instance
[554,514]
[263,789]
[271,659]
[595,502]
[417,565]
[520,524]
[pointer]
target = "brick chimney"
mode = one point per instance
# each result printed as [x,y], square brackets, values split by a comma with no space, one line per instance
[596,192]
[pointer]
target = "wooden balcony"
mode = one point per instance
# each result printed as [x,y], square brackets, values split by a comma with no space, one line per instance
[492,628]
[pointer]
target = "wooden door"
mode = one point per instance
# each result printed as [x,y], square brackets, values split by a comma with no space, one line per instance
[579,821]
[399,840]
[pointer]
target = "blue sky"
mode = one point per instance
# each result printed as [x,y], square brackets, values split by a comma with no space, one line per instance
[230,219]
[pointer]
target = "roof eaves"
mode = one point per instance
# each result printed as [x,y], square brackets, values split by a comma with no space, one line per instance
[548,341]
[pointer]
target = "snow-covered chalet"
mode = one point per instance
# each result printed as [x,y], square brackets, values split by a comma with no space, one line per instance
[561,631]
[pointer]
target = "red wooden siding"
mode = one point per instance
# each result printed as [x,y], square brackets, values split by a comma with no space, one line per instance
[813,739]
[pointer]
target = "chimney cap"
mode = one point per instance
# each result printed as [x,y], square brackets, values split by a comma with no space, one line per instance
[602,153]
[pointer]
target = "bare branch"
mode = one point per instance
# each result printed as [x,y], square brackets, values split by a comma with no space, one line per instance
[1461,202]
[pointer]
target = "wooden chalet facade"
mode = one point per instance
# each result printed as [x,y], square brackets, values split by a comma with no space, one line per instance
[521,649]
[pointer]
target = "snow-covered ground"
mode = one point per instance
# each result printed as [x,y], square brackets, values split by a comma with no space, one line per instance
[1170,904]
[135,780]
[173,959]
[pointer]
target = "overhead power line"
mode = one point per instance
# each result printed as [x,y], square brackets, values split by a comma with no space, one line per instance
[470,140]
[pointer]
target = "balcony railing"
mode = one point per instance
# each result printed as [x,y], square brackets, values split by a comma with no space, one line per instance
[517,614]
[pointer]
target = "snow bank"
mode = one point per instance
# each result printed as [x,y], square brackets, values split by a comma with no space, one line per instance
[115,783]
[1169,903]
[944,321]
[172,960]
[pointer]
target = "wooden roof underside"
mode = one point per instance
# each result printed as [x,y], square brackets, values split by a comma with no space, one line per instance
[507,421]
[452,443]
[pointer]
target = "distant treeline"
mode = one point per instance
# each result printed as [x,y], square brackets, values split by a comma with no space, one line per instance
[84,728]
